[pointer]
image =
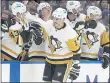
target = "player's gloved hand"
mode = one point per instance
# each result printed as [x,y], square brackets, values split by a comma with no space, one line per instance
[27,46]
[90,24]
[26,26]
[35,29]
[22,56]
[105,60]
[74,72]
[79,25]
[4,25]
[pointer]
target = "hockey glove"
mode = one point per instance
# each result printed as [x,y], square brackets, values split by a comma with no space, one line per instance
[79,25]
[90,24]
[4,25]
[26,26]
[74,72]
[105,60]
[22,56]
[106,57]
[27,43]
[35,29]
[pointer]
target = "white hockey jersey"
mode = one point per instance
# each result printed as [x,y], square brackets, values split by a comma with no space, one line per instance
[11,42]
[92,39]
[63,44]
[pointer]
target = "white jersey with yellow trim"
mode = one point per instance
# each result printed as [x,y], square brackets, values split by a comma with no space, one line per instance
[62,43]
[92,39]
[11,42]
[81,17]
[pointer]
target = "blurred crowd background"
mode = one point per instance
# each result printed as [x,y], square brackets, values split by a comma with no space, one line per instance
[32,7]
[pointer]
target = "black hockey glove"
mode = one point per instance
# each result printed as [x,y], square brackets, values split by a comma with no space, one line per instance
[105,58]
[35,29]
[74,72]
[27,43]
[79,25]
[23,56]
[4,25]
[90,24]
[75,69]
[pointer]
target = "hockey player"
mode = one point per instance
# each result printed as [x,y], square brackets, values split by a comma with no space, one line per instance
[94,36]
[44,10]
[32,36]
[33,50]
[44,15]
[31,7]
[31,12]
[75,18]
[25,17]
[44,18]
[64,50]
[19,36]
[12,41]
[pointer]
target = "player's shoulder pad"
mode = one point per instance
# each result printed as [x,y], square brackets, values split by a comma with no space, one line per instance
[70,33]
[101,26]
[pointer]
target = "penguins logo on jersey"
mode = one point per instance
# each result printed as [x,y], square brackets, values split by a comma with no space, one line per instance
[91,38]
[54,44]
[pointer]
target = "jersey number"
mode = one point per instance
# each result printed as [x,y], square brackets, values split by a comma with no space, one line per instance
[14,34]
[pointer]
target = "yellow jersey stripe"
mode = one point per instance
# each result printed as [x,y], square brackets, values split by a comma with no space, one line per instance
[91,54]
[3,46]
[53,55]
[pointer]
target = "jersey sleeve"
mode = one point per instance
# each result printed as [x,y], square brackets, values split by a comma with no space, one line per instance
[105,39]
[44,33]
[73,42]
[14,34]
